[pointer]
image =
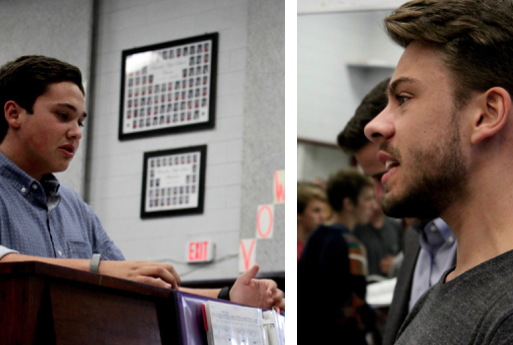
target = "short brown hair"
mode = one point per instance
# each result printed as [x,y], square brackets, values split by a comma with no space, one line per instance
[28,77]
[306,192]
[346,183]
[474,39]
[352,138]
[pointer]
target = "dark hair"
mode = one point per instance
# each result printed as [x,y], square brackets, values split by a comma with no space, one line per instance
[474,39]
[346,183]
[28,77]
[306,192]
[352,138]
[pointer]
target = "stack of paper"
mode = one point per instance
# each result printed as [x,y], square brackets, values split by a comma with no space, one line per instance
[229,324]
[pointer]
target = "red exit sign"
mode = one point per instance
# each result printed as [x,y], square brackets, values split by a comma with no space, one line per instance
[202,251]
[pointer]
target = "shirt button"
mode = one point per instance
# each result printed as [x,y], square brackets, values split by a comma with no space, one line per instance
[34,186]
[451,239]
[23,190]
[60,253]
[433,228]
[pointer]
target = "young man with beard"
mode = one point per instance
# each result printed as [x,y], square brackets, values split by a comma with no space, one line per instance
[40,220]
[335,262]
[446,138]
[430,246]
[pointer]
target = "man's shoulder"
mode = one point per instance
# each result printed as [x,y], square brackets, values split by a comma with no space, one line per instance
[338,231]
[327,233]
[479,313]
[325,238]
[392,223]
[335,228]
[478,301]
[70,197]
[365,231]
[68,192]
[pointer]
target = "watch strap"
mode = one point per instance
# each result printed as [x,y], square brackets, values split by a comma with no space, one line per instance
[95,263]
[224,293]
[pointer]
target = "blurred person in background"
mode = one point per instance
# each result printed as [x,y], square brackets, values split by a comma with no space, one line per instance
[311,212]
[383,236]
[383,239]
[335,262]
[330,217]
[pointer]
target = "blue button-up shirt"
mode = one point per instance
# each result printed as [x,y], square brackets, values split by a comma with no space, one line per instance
[47,219]
[437,253]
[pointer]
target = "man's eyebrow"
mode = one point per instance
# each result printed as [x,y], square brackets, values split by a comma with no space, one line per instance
[72,108]
[392,87]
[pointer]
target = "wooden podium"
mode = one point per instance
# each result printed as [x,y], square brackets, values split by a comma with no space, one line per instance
[47,304]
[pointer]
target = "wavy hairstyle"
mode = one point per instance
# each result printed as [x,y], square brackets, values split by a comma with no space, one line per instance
[474,39]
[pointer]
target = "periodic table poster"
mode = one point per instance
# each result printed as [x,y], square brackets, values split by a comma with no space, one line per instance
[169,87]
[173,182]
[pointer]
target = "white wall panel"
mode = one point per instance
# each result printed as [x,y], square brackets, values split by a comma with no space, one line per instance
[329,88]
[116,167]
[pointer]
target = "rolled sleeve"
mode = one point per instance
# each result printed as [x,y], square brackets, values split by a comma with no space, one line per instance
[4,251]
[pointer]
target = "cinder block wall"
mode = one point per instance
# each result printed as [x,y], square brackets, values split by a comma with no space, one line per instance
[116,167]
[249,117]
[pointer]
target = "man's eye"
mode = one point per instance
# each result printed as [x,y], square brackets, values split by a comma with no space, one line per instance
[401,99]
[63,116]
[81,124]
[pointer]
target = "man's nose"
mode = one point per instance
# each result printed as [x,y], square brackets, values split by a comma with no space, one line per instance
[75,131]
[380,128]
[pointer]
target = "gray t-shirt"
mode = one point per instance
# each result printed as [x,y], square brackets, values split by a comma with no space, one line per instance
[474,308]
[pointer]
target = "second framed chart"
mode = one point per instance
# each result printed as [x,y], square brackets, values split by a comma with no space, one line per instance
[173,182]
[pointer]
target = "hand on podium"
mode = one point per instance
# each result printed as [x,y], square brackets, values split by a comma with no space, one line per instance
[153,273]
[262,293]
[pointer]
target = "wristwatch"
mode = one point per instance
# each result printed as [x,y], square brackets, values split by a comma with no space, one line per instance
[95,263]
[224,293]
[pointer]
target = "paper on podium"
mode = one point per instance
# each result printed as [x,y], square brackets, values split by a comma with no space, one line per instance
[229,324]
[380,294]
[274,326]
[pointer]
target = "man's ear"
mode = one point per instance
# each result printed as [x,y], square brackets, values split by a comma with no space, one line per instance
[12,113]
[494,110]
[347,204]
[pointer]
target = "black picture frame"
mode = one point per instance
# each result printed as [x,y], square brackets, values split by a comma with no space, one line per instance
[186,69]
[173,189]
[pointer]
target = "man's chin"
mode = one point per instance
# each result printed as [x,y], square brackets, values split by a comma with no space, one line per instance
[61,168]
[409,208]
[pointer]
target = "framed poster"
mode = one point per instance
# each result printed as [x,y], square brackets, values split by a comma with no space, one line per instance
[173,182]
[168,87]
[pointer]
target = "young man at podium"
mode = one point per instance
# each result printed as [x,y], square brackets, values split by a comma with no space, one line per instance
[43,107]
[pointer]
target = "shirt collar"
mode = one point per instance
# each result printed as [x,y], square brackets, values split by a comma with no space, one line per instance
[435,234]
[50,184]
[20,179]
[444,229]
[440,225]
[339,226]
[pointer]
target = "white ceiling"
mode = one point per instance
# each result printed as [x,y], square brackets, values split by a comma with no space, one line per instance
[336,68]
[320,6]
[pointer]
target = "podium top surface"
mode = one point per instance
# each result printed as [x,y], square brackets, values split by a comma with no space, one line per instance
[50,271]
